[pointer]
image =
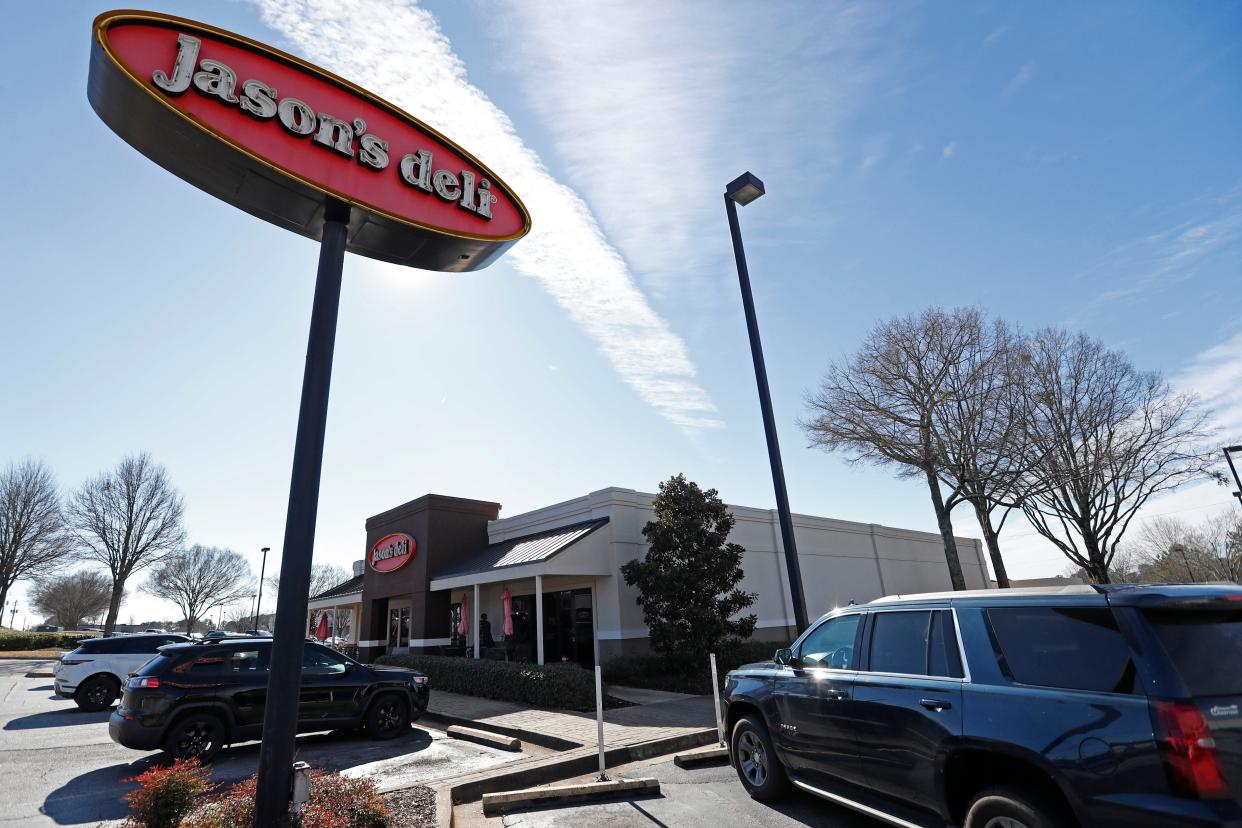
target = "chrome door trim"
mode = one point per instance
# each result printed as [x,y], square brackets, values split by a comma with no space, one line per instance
[857,806]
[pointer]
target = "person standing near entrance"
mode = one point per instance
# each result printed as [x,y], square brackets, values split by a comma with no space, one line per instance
[485,632]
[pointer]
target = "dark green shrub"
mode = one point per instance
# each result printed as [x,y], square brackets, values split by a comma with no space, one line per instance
[22,640]
[166,794]
[564,686]
[677,675]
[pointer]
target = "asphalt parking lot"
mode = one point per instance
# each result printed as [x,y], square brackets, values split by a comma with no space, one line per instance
[58,766]
[704,797]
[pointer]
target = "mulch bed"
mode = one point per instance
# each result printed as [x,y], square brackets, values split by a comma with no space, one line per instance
[32,653]
[412,807]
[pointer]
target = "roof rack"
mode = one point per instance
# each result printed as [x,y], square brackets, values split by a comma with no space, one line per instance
[1073,589]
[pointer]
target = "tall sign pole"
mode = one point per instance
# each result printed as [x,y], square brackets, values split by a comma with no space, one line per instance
[333,163]
[745,189]
[280,721]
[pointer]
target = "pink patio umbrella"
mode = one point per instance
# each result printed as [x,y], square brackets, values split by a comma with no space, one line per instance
[463,628]
[508,599]
[321,632]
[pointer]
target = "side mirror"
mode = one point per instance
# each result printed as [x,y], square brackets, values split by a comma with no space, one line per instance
[783,656]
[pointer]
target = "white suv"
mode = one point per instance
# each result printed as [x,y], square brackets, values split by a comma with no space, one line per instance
[92,674]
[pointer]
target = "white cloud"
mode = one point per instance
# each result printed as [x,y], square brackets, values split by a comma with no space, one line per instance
[654,106]
[1021,79]
[398,50]
[1215,374]
[950,149]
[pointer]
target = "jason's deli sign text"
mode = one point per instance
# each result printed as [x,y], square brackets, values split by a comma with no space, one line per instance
[392,552]
[259,100]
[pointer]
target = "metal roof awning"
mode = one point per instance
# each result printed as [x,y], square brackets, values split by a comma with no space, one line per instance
[347,592]
[529,555]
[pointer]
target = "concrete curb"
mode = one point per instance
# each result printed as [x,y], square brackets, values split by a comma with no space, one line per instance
[494,803]
[444,805]
[531,736]
[38,674]
[702,756]
[483,737]
[583,761]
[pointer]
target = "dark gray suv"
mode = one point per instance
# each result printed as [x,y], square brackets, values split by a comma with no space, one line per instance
[1081,706]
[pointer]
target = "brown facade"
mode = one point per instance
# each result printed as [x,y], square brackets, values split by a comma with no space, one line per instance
[444,529]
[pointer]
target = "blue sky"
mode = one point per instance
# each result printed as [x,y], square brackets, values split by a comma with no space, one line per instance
[1076,166]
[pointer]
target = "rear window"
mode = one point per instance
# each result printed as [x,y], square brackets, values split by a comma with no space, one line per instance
[1205,646]
[1070,648]
[157,665]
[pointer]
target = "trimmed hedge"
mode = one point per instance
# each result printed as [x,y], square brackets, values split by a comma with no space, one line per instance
[657,672]
[21,640]
[563,686]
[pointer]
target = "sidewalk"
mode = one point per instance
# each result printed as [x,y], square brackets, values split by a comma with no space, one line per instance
[622,726]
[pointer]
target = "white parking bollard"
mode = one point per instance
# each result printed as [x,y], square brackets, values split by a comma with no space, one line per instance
[716,698]
[599,720]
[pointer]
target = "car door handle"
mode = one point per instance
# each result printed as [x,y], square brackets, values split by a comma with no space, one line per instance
[935,704]
[836,695]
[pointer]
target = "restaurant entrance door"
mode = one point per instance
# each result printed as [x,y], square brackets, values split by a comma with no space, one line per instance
[568,627]
[398,627]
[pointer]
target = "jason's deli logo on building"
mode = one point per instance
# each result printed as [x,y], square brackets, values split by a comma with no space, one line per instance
[392,552]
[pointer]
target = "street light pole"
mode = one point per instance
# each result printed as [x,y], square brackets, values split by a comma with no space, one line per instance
[743,190]
[259,598]
[1229,450]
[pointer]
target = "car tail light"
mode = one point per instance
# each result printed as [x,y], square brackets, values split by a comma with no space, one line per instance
[144,683]
[1189,750]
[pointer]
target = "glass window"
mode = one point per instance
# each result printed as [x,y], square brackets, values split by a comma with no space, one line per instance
[899,642]
[944,658]
[320,661]
[831,644]
[138,645]
[1072,648]
[1200,643]
[208,664]
[247,661]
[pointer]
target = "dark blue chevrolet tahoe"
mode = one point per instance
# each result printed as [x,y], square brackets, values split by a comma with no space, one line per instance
[1079,706]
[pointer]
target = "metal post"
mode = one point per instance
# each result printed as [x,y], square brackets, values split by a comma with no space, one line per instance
[285,673]
[476,621]
[599,720]
[539,619]
[258,604]
[716,698]
[769,424]
[1228,456]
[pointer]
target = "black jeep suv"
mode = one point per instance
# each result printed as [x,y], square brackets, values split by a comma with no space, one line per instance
[192,699]
[1080,706]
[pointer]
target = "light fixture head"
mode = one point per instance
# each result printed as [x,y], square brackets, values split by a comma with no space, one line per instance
[266,549]
[744,189]
[1234,448]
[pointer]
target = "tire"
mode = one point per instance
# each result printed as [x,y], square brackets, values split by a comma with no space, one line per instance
[758,767]
[1012,806]
[198,734]
[97,693]
[388,717]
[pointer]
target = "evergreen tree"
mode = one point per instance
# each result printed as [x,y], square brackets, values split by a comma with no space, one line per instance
[688,582]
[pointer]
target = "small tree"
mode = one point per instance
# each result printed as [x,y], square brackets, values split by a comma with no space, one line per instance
[688,581]
[32,533]
[200,578]
[322,578]
[73,597]
[128,519]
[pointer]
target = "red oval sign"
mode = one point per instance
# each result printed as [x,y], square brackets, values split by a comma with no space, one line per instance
[392,552]
[279,137]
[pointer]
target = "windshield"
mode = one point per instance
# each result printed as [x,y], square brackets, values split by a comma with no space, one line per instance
[1201,644]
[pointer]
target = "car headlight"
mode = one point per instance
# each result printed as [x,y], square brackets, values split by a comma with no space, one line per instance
[418,681]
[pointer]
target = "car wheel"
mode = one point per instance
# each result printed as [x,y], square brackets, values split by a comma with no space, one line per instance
[1010,807]
[388,717]
[760,770]
[97,693]
[199,734]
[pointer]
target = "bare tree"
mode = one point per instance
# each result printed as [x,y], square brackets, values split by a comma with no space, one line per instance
[980,427]
[32,532]
[323,577]
[1109,437]
[199,579]
[887,402]
[1169,550]
[128,519]
[73,597]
